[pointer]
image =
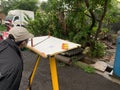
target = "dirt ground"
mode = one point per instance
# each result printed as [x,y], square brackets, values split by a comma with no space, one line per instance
[69,77]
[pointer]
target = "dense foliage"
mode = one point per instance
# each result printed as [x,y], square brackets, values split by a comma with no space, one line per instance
[7,5]
[80,21]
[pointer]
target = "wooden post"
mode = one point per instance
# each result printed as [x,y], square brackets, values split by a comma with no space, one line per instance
[31,42]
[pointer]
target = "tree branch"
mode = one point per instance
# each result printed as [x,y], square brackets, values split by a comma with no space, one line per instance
[101,19]
[91,13]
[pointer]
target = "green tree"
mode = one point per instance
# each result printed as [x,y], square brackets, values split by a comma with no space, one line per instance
[80,21]
[19,4]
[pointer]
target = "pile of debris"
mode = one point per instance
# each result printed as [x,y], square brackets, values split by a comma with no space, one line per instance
[70,55]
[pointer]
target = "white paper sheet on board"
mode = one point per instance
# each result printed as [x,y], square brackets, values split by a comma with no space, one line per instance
[51,45]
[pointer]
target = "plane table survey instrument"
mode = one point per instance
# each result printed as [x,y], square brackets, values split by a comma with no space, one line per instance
[48,47]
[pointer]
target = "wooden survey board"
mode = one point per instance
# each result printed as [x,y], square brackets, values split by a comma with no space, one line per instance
[50,45]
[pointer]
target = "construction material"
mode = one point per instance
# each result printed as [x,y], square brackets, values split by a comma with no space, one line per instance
[72,52]
[64,59]
[100,65]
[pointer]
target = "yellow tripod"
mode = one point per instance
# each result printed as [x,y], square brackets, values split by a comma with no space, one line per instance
[52,69]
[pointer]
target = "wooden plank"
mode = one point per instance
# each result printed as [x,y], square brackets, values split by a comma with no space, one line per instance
[100,65]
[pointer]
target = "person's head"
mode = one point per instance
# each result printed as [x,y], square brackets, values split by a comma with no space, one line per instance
[20,36]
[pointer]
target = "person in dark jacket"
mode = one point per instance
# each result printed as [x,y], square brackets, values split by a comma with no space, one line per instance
[11,62]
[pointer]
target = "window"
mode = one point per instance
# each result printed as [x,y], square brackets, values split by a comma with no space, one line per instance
[16,18]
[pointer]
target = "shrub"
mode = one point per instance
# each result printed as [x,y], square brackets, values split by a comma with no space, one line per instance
[98,49]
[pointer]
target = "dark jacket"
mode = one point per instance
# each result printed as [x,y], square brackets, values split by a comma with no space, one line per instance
[11,65]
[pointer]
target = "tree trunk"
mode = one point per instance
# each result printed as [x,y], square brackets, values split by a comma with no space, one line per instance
[101,19]
[61,17]
[92,16]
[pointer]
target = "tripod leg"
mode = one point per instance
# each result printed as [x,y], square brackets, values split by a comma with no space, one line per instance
[33,73]
[54,73]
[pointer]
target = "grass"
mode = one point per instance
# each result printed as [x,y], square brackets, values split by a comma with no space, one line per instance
[2,28]
[85,67]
